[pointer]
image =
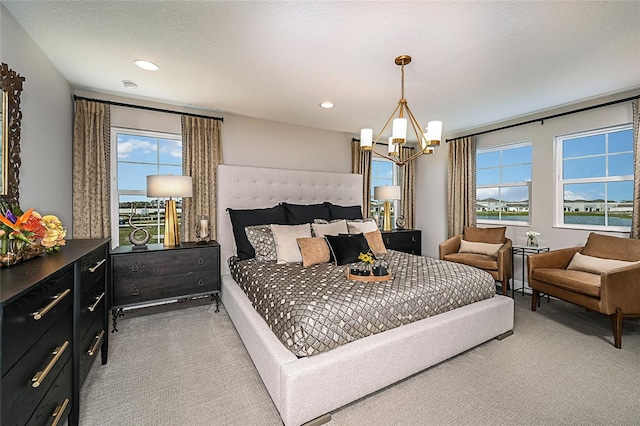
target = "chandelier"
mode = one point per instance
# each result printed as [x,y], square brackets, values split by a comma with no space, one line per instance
[427,140]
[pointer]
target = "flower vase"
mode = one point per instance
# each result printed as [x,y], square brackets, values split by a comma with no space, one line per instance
[532,242]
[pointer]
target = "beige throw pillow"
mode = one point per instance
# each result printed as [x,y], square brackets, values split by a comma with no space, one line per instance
[479,248]
[376,244]
[362,226]
[333,228]
[314,251]
[596,265]
[285,237]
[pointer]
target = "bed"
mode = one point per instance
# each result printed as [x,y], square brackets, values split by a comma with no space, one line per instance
[306,389]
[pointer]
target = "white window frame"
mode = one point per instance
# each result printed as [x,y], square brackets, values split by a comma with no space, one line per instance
[560,182]
[528,183]
[115,193]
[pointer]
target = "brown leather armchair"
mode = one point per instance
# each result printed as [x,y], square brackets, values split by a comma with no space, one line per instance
[595,280]
[497,263]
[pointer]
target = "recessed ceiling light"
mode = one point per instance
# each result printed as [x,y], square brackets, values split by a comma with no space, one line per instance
[146,65]
[327,105]
[129,84]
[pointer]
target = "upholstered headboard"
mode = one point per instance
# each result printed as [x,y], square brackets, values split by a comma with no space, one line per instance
[242,187]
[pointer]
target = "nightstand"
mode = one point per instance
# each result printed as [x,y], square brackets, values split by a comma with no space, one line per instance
[406,240]
[162,274]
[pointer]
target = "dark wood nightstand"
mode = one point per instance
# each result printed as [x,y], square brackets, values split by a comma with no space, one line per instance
[406,240]
[162,274]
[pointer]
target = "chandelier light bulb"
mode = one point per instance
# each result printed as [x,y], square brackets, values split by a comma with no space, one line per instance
[366,139]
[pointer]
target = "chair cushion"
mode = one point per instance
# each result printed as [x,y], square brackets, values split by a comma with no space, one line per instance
[609,247]
[472,259]
[479,248]
[596,265]
[485,235]
[576,281]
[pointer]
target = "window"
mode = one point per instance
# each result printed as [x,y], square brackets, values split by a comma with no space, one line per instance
[503,184]
[383,173]
[595,179]
[135,155]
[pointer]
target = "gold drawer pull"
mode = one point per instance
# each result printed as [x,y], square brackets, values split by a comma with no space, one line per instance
[41,375]
[57,414]
[97,265]
[98,299]
[56,299]
[94,348]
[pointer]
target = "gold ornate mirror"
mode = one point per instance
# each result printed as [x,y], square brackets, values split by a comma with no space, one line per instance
[11,86]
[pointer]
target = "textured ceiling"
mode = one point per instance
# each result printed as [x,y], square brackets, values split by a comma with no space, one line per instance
[473,62]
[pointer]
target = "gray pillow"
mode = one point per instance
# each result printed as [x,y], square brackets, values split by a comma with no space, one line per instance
[261,239]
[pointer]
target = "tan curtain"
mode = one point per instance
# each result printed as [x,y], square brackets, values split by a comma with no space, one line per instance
[91,176]
[407,204]
[201,154]
[635,220]
[461,179]
[361,164]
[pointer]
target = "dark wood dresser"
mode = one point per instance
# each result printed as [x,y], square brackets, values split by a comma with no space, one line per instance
[161,274]
[54,317]
[406,240]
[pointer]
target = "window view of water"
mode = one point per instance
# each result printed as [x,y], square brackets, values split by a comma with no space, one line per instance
[494,216]
[596,220]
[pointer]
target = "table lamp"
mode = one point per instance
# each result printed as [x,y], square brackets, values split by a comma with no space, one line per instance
[386,194]
[163,186]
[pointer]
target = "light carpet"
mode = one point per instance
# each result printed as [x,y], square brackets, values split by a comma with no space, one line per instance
[184,364]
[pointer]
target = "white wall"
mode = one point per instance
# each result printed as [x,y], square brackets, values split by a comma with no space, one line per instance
[432,175]
[47,124]
[246,141]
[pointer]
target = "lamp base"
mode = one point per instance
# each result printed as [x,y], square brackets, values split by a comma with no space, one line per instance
[171,232]
[386,224]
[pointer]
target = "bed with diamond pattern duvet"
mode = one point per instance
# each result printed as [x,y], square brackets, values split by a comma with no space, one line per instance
[315,309]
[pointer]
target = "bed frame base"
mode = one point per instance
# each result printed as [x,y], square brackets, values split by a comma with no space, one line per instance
[504,335]
[319,420]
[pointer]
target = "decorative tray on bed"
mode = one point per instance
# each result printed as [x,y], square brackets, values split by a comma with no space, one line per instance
[367,278]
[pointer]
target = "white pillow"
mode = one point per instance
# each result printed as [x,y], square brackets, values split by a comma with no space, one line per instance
[333,228]
[595,265]
[479,248]
[362,226]
[285,237]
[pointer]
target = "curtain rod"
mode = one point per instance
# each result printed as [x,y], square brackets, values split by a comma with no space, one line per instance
[379,143]
[541,120]
[120,104]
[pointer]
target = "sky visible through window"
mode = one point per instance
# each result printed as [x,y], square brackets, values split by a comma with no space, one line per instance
[140,156]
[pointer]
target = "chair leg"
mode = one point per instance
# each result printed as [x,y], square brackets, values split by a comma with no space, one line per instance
[616,321]
[534,299]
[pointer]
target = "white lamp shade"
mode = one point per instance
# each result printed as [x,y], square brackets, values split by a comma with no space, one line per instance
[434,131]
[393,148]
[399,129]
[366,138]
[386,192]
[169,186]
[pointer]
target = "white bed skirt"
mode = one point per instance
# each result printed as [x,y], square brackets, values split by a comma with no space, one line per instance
[305,388]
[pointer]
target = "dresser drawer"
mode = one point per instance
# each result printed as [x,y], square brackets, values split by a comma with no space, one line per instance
[47,302]
[47,357]
[92,305]
[93,267]
[90,346]
[140,265]
[131,292]
[409,241]
[57,401]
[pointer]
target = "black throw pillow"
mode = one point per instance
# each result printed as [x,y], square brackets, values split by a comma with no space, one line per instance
[345,212]
[345,248]
[242,218]
[298,214]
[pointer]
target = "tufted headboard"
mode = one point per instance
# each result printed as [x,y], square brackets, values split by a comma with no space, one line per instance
[243,187]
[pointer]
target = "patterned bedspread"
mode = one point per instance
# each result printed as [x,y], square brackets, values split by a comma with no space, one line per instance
[316,309]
